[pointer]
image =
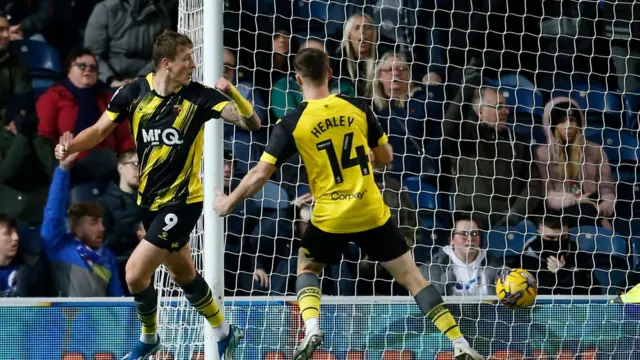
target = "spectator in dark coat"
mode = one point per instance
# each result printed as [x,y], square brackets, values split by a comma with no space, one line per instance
[495,176]
[121,218]
[28,17]
[15,81]
[9,262]
[557,263]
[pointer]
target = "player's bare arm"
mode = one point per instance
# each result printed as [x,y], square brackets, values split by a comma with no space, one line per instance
[239,111]
[382,155]
[255,179]
[87,139]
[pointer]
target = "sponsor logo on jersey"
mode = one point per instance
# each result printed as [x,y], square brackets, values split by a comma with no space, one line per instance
[167,137]
[347,196]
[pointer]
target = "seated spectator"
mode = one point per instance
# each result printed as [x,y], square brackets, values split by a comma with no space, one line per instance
[555,260]
[26,167]
[74,105]
[354,60]
[82,266]
[576,172]
[247,146]
[286,94]
[15,81]
[400,106]
[9,262]
[123,228]
[121,34]
[463,267]
[495,176]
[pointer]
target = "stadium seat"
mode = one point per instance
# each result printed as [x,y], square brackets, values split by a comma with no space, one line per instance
[43,59]
[522,97]
[620,147]
[565,355]
[631,102]
[595,100]
[272,196]
[323,355]
[509,241]
[589,354]
[424,196]
[539,355]
[398,355]
[599,241]
[87,192]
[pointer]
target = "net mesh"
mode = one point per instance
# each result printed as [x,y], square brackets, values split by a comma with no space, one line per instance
[419,65]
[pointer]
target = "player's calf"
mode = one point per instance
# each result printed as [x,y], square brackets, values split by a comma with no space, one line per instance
[406,272]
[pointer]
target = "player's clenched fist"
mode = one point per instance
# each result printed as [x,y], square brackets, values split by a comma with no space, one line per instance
[223,85]
[221,204]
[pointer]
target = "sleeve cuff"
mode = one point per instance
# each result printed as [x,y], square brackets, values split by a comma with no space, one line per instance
[268,158]
[112,115]
[383,140]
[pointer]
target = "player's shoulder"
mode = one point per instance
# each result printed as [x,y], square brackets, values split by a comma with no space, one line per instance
[197,92]
[291,119]
[358,103]
[133,89]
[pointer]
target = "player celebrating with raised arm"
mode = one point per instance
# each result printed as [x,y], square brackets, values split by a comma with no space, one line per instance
[167,112]
[333,135]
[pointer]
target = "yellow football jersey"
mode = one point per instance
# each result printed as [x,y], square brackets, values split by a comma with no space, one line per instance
[333,136]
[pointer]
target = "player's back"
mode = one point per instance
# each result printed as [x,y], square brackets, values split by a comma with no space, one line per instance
[333,136]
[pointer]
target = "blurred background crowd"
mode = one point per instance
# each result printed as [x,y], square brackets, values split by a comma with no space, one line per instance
[514,127]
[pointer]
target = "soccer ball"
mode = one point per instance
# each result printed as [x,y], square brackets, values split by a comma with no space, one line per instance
[517,288]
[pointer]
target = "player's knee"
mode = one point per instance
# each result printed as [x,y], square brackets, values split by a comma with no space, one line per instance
[135,281]
[183,276]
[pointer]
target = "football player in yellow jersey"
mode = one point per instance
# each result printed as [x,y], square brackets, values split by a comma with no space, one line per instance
[334,135]
[167,112]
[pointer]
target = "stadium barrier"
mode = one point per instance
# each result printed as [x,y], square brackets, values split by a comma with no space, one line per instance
[356,328]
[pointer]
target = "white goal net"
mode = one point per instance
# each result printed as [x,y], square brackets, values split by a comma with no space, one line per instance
[518,120]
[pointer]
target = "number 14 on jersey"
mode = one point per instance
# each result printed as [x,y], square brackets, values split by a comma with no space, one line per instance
[345,161]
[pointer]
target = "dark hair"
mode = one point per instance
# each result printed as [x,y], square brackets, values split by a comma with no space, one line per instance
[166,46]
[551,220]
[126,155]
[75,54]
[312,64]
[6,220]
[563,110]
[81,209]
[465,216]
[3,14]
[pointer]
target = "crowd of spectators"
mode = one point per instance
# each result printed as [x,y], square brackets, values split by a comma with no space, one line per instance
[464,168]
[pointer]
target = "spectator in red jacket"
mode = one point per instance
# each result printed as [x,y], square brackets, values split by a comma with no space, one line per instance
[77,102]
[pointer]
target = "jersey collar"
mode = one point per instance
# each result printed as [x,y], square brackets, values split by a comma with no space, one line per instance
[152,88]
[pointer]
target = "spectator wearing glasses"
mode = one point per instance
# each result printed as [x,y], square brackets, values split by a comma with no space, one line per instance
[121,218]
[74,105]
[463,267]
[495,176]
[401,108]
[555,260]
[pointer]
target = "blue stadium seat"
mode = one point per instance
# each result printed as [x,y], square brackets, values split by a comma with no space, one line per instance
[43,59]
[598,240]
[631,102]
[272,196]
[509,241]
[86,192]
[423,195]
[521,96]
[595,100]
[620,147]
